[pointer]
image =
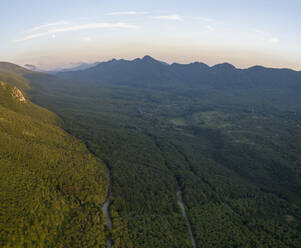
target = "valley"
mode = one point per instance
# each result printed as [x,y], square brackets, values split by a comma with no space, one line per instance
[228,138]
[150,124]
[199,156]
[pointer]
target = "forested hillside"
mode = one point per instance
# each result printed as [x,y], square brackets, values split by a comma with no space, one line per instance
[228,139]
[51,189]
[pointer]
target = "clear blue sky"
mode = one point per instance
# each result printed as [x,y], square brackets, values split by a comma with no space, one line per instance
[52,33]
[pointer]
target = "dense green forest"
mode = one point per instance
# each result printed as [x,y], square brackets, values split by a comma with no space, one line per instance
[52,188]
[228,139]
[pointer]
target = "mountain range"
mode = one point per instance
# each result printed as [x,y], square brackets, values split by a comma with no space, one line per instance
[148,69]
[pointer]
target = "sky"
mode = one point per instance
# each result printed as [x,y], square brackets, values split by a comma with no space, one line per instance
[62,33]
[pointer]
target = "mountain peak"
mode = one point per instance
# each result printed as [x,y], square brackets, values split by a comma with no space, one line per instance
[148,58]
[256,68]
[224,67]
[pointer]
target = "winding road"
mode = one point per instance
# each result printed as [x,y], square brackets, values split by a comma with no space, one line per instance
[105,208]
[181,204]
[106,205]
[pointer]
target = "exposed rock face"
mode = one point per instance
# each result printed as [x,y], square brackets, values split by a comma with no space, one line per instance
[16,93]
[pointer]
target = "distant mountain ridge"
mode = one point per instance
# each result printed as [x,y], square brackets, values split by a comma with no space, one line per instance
[152,73]
[85,66]
[81,66]
[13,68]
[149,72]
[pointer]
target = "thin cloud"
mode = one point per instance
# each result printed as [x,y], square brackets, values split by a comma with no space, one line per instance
[86,38]
[128,13]
[267,36]
[209,28]
[260,32]
[46,26]
[205,19]
[169,17]
[273,40]
[77,28]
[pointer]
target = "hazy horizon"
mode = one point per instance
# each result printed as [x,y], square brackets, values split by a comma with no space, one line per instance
[79,63]
[59,34]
